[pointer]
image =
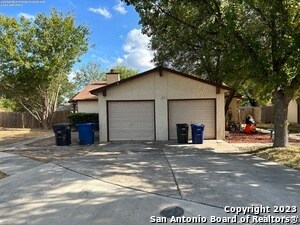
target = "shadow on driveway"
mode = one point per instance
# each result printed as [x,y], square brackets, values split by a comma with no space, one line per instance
[192,173]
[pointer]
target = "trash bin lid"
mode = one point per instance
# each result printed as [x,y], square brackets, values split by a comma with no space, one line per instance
[182,124]
[198,124]
[61,126]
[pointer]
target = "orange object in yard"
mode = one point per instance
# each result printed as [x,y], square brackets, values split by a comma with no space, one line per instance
[249,129]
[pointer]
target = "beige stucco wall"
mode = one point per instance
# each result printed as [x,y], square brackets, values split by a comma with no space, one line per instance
[88,106]
[293,112]
[160,89]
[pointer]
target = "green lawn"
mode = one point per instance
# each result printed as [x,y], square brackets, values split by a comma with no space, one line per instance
[287,156]
[2,175]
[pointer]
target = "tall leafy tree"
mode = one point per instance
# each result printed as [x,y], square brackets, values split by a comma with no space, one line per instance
[124,71]
[256,39]
[35,58]
[181,42]
[88,73]
[92,72]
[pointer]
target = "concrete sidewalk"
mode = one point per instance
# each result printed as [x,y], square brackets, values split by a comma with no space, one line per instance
[217,146]
[12,164]
[50,194]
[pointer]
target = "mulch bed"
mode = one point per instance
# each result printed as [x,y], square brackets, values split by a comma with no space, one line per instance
[252,138]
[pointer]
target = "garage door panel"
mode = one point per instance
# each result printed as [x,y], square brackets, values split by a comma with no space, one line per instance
[131,120]
[192,111]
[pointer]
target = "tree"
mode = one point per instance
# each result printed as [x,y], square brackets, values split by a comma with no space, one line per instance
[124,71]
[7,104]
[260,37]
[88,73]
[91,72]
[188,46]
[35,58]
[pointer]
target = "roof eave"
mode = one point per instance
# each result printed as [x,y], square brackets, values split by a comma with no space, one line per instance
[160,68]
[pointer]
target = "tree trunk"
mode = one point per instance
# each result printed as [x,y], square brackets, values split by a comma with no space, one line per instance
[45,124]
[229,100]
[281,101]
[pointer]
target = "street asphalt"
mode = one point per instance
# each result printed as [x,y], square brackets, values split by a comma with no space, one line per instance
[130,183]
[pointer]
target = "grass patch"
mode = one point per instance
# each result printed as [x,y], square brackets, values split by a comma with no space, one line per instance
[2,175]
[14,135]
[289,156]
[22,133]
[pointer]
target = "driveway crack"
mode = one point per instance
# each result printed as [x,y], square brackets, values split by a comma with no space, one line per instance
[173,174]
[143,191]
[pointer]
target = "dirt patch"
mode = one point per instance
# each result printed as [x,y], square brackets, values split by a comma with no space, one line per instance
[49,155]
[2,175]
[253,138]
[45,150]
[50,142]
[11,136]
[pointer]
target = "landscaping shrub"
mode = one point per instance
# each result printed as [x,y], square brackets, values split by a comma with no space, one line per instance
[77,118]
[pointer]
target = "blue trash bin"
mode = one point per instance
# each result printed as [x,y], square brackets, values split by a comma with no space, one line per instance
[197,133]
[86,133]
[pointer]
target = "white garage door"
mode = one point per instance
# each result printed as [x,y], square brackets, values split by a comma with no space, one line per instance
[192,111]
[131,120]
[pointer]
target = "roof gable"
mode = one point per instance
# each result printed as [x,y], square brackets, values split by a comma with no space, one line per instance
[160,70]
[86,95]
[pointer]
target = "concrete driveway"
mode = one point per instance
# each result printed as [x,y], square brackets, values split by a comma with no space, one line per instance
[127,183]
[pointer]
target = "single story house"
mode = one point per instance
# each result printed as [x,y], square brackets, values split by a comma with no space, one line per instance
[148,106]
[86,102]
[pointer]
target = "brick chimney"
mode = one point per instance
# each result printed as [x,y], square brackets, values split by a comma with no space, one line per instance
[112,76]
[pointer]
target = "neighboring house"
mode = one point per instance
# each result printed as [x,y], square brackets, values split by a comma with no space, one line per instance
[148,106]
[84,101]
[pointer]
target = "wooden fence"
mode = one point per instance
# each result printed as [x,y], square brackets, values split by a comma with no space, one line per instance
[263,114]
[25,120]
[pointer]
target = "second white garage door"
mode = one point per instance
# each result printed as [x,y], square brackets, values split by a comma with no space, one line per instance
[193,111]
[131,120]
